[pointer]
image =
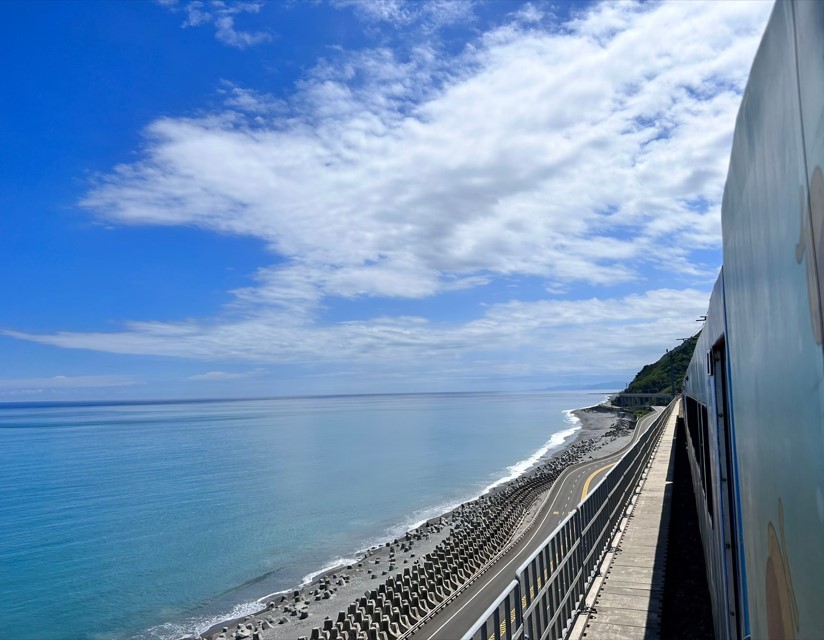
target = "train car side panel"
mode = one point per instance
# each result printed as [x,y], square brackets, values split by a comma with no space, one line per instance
[773,245]
[707,396]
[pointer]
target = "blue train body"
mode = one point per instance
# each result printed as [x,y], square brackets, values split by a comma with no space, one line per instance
[754,391]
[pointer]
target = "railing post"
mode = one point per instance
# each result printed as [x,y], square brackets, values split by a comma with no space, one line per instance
[508,617]
[582,580]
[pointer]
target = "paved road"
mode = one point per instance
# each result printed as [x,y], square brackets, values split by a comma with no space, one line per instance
[453,621]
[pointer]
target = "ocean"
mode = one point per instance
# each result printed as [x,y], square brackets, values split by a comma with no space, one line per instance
[152,520]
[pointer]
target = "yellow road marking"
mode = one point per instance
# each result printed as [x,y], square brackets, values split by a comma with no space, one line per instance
[594,473]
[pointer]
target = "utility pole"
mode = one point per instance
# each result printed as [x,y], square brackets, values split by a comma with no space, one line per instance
[672,375]
[683,340]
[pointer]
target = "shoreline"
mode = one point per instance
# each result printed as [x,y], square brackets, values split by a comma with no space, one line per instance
[293,612]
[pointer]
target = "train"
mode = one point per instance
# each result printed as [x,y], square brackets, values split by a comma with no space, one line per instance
[753,395]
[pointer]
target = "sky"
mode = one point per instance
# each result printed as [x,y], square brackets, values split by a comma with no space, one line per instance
[206,199]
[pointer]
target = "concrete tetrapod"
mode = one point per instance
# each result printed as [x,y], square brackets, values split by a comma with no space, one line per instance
[477,533]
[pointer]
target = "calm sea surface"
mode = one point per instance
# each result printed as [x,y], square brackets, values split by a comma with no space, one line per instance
[152,520]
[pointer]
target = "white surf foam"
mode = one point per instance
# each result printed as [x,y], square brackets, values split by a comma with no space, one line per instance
[519,468]
[334,564]
[570,417]
[196,626]
[273,594]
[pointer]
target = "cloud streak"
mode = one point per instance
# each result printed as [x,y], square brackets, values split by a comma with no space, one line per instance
[222,16]
[219,376]
[429,14]
[65,382]
[537,338]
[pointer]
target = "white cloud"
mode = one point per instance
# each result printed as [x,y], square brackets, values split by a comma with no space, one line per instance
[227,375]
[590,153]
[565,155]
[64,382]
[251,102]
[431,14]
[529,14]
[222,16]
[544,337]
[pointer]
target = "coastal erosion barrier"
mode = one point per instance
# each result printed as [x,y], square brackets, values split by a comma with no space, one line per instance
[549,589]
[399,606]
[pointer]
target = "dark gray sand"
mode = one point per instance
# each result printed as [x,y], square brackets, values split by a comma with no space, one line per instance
[293,615]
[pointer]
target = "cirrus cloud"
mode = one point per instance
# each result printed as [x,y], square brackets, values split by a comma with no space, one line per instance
[222,16]
[65,382]
[217,376]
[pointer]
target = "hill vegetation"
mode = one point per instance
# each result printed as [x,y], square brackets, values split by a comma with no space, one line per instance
[655,378]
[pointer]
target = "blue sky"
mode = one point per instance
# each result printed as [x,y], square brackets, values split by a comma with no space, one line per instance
[208,199]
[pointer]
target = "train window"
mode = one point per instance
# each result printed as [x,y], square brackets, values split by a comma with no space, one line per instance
[699,445]
[698,432]
[692,424]
[706,476]
[726,494]
[702,441]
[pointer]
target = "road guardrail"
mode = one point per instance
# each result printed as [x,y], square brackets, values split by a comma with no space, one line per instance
[549,589]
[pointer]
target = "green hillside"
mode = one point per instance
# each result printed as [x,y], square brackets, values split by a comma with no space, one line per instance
[655,378]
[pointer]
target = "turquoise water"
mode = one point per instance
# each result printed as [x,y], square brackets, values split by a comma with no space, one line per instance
[153,520]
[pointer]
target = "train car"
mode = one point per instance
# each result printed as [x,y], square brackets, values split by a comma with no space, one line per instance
[754,390]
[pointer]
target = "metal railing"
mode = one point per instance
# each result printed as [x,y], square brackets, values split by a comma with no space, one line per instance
[550,588]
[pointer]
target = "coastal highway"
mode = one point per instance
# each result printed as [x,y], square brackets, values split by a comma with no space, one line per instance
[566,492]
